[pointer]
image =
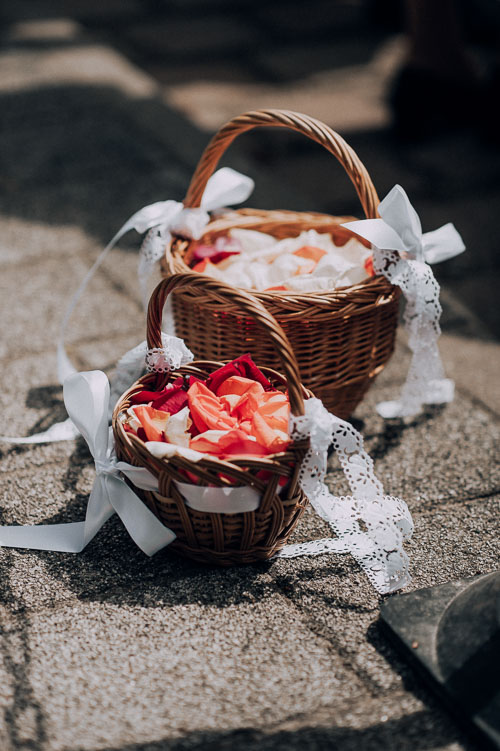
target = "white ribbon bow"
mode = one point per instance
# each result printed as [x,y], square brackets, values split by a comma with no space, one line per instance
[225,187]
[86,396]
[369,525]
[401,252]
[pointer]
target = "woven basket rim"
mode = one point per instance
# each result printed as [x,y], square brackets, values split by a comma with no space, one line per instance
[176,264]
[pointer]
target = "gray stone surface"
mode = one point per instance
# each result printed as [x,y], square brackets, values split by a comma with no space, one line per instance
[227,666]
[444,453]
[110,649]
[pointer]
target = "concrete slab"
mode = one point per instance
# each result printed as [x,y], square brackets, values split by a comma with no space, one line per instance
[107,675]
[474,366]
[35,298]
[447,452]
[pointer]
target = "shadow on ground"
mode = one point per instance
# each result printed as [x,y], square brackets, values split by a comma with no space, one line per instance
[73,155]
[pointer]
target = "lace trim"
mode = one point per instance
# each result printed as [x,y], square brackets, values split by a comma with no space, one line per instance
[151,251]
[131,366]
[368,524]
[425,382]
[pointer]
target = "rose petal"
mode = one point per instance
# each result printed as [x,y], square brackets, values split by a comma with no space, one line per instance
[207,410]
[274,440]
[177,429]
[152,420]
[227,443]
[242,366]
[310,252]
[213,253]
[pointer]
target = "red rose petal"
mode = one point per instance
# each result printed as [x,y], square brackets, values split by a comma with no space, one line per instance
[242,366]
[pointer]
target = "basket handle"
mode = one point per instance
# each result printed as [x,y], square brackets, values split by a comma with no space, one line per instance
[308,126]
[249,305]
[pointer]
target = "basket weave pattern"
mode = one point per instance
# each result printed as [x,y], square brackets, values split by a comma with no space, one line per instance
[341,338]
[224,539]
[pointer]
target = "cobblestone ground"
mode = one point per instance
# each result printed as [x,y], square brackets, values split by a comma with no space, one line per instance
[109,649]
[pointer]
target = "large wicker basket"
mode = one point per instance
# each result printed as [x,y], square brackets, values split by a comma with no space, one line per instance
[341,338]
[222,538]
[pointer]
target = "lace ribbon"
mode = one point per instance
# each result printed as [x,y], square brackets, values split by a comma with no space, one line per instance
[171,356]
[129,368]
[370,525]
[401,252]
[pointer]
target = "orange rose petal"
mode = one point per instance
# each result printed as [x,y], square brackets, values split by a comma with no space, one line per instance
[236,443]
[152,420]
[239,385]
[207,411]
[207,442]
[275,409]
[201,266]
[310,252]
[277,288]
[231,401]
[274,441]
[306,268]
[246,426]
[227,443]
[252,402]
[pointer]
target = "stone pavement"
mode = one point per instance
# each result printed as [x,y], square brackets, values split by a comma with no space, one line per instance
[112,650]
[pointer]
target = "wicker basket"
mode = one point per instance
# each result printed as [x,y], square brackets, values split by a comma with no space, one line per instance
[221,538]
[341,338]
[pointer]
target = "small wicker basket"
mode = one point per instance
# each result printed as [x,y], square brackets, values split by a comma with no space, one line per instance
[221,538]
[341,338]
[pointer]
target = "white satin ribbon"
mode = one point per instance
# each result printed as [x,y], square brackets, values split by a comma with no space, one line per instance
[369,525]
[401,252]
[220,500]
[225,187]
[86,396]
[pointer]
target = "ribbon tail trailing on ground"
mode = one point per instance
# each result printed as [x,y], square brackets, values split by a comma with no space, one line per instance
[224,188]
[402,253]
[86,397]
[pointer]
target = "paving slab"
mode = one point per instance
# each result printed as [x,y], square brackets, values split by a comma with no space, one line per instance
[105,674]
[474,366]
[35,299]
[446,452]
[453,541]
